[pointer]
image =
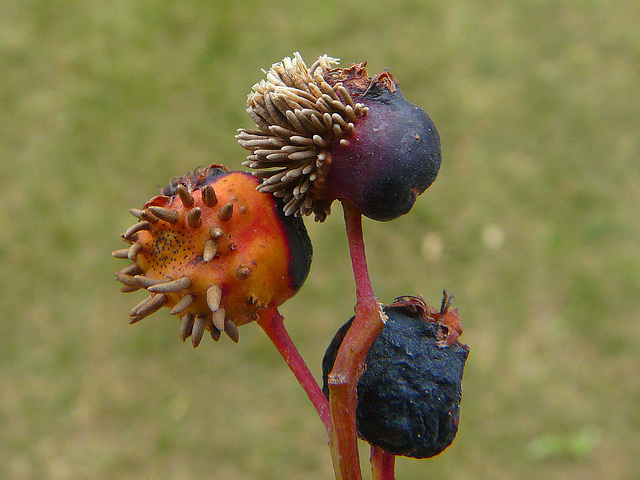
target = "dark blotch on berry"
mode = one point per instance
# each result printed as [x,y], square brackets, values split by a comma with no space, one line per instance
[300,247]
[195,179]
[409,395]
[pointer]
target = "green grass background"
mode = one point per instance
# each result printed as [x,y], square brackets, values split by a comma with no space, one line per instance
[533,224]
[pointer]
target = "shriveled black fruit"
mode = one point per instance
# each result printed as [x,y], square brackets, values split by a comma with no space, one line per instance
[409,395]
[328,133]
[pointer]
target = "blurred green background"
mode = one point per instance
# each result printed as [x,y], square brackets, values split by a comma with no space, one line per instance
[533,225]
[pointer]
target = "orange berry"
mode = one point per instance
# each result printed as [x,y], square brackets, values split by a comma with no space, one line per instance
[215,251]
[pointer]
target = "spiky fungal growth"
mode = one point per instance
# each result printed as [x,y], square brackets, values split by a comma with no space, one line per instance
[214,251]
[328,133]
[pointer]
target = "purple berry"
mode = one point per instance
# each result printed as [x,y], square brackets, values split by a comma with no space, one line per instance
[392,157]
[328,134]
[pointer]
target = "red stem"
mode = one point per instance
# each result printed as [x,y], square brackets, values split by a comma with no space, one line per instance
[382,464]
[353,223]
[350,360]
[271,322]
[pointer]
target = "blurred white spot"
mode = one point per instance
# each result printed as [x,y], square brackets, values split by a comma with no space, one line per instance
[432,246]
[492,237]
[178,407]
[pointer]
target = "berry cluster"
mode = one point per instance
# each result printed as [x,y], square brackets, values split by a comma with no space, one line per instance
[221,249]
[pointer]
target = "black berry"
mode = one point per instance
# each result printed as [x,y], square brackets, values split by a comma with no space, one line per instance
[409,395]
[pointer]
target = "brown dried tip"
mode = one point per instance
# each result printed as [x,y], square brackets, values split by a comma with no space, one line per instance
[447,317]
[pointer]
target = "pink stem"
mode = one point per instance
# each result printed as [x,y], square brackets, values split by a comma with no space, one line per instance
[271,322]
[350,360]
[382,464]
[353,222]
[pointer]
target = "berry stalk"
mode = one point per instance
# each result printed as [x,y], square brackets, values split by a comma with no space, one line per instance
[271,322]
[382,464]
[350,360]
